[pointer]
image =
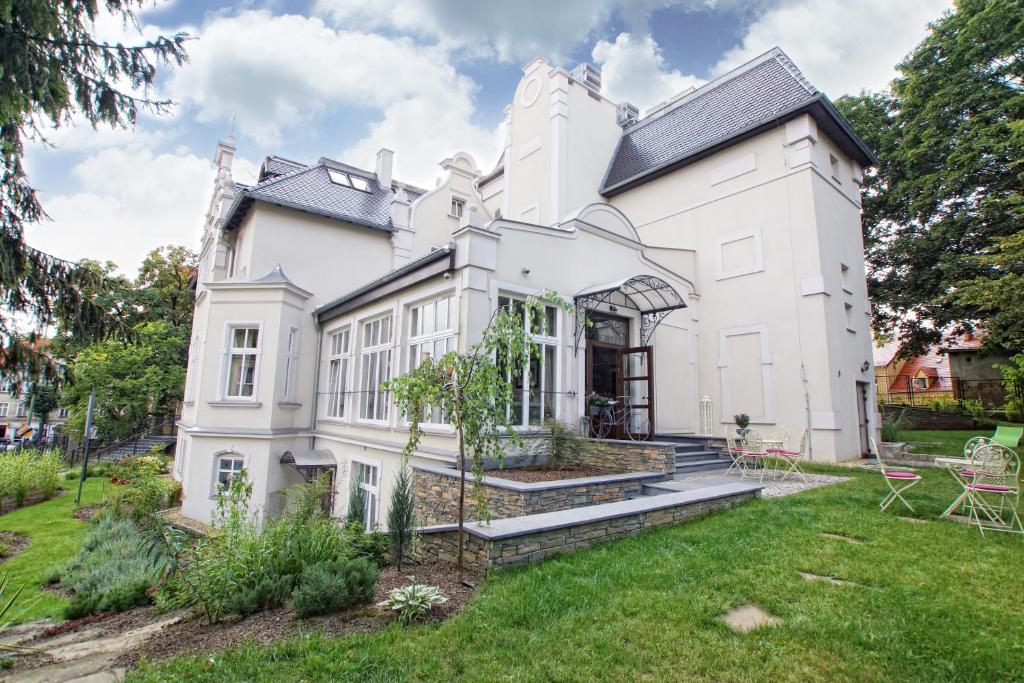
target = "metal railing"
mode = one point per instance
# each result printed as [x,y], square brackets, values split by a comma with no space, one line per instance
[912,391]
[151,426]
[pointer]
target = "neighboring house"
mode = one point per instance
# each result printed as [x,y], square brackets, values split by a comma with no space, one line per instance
[968,362]
[14,418]
[715,242]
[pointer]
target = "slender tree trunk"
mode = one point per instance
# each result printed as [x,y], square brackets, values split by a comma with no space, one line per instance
[462,484]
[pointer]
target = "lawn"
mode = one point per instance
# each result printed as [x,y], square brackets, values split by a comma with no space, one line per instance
[55,537]
[932,601]
[951,442]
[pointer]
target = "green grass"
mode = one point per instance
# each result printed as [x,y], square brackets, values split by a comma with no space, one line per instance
[55,536]
[945,442]
[935,601]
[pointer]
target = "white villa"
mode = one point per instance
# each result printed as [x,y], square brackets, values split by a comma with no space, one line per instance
[715,241]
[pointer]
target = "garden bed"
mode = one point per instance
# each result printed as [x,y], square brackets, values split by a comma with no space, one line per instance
[11,544]
[535,474]
[9,503]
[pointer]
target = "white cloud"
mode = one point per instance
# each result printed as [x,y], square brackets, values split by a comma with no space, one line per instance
[283,73]
[507,30]
[841,46]
[131,201]
[633,70]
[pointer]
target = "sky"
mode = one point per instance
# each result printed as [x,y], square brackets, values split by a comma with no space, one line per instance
[426,78]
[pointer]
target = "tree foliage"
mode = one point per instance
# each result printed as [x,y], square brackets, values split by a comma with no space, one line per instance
[950,136]
[474,390]
[401,519]
[131,380]
[51,67]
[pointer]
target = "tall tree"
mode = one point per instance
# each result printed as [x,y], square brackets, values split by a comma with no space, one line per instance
[951,138]
[51,67]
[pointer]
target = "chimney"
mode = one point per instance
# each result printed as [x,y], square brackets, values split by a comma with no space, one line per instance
[589,76]
[385,163]
[626,114]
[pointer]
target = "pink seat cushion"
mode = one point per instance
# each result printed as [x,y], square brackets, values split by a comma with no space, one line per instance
[989,487]
[782,451]
[967,473]
[901,475]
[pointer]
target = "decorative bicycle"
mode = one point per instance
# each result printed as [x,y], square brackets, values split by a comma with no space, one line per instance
[605,418]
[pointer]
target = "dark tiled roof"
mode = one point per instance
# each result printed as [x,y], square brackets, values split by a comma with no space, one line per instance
[756,94]
[309,188]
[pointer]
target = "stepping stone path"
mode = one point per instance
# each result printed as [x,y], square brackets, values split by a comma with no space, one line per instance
[808,576]
[746,618]
[840,537]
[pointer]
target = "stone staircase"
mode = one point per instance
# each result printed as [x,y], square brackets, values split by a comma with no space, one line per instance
[139,447]
[698,454]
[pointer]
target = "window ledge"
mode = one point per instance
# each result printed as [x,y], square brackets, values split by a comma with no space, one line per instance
[372,425]
[189,402]
[289,404]
[228,403]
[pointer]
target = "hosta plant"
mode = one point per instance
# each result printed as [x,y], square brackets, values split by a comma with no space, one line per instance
[412,602]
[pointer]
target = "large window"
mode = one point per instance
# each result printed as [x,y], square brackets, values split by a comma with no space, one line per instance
[3,409]
[375,368]
[432,335]
[21,409]
[367,477]
[243,355]
[228,467]
[536,384]
[291,365]
[338,361]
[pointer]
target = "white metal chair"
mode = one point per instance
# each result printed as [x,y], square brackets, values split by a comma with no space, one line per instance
[734,447]
[777,438]
[898,480]
[963,475]
[753,451]
[993,492]
[791,459]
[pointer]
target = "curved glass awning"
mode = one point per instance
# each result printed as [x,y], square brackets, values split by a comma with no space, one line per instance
[652,296]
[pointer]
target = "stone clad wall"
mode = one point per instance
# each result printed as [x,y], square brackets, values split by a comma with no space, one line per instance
[482,554]
[437,497]
[628,456]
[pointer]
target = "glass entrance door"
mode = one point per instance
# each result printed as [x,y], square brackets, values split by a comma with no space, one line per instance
[637,365]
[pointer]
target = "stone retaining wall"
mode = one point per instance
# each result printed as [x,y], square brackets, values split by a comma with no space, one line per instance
[482,553]
[630,456]
[436,495]
[923,418]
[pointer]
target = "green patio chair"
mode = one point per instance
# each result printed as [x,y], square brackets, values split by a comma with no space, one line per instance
[1008,436]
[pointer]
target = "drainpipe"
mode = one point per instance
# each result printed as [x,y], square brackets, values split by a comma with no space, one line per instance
[316,381]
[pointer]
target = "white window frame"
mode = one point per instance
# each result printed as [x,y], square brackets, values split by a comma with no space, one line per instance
[21,410]
[457,208]
[292,346]
[5,386]
[377,353]
[545,341]
[63,412]
[339,408]
[217,469]
[4,408]
[372,492]
[421,335]
[229,351]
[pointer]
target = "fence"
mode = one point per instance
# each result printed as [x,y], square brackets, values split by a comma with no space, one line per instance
[913,391]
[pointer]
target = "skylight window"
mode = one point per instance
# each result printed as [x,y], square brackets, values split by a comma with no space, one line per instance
[348,180]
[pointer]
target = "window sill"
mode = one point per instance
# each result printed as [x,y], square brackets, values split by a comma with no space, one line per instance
[452,215]
[372,424]
[289,404]
[229,403]
[190,402]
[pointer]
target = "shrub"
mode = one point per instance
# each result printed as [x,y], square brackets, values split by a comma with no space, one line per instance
[331,586]
[27,472]
[356,504]
[412,602]
[144,495]
[564,443]
[112,571]
[890,429]
[401,522]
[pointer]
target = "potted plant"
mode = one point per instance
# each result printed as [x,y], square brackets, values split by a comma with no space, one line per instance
[742,422]
[595,402]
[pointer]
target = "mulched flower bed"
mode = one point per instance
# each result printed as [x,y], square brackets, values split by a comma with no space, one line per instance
[195,636]
[7,504]
[11,544]
[86,513]
[553,474]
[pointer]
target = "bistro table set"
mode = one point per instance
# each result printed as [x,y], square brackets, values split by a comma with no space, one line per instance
[988,475]
[754,454]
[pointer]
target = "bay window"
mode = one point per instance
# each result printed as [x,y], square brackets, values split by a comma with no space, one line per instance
[375,368]
[338,362]
[242,357]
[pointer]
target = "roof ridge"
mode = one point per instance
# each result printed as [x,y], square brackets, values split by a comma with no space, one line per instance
[775,53]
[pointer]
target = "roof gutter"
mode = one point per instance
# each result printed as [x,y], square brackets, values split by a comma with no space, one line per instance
[422,269]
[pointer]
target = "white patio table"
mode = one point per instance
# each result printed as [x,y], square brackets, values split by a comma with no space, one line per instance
[956,467]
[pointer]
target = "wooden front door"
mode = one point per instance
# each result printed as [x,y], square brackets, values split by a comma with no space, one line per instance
[607,338]
[638,384]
